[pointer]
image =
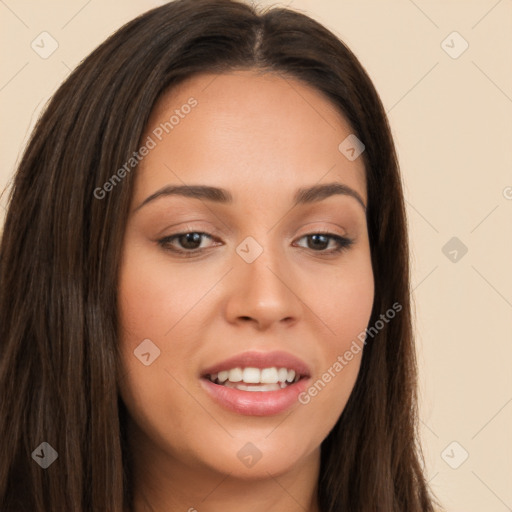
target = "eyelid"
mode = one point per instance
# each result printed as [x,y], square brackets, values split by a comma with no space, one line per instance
[181,228]
[218,233]
[319,227]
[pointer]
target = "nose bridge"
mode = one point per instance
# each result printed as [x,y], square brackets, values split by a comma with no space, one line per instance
[263,281]
[259,263]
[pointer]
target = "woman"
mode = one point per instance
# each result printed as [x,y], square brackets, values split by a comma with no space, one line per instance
[204,281]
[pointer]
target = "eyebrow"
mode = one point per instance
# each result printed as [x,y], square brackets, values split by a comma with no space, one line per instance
[302,196]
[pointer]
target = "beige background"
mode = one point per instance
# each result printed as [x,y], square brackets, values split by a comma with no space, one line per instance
[452,122]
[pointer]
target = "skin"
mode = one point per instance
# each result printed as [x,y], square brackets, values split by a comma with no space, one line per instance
[260,136]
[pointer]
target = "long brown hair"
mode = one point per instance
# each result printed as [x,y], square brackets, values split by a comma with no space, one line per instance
[60,252]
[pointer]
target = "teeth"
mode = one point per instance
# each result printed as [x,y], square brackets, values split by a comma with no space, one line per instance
[282,373]
[269,376]
[260,387]
[272,378]
[291,376]
[223,376]
[252,375]
[235,375]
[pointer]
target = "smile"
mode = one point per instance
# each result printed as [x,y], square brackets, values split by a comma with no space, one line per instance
[255,379]
[250,384]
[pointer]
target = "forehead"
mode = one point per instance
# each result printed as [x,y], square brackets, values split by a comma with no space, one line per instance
[259,132]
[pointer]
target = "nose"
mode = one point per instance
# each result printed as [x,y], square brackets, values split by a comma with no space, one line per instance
[263,292]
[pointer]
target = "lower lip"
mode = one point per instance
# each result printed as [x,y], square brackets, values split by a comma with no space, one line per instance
[255,403]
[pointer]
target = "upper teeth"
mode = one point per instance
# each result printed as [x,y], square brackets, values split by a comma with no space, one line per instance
[271,375]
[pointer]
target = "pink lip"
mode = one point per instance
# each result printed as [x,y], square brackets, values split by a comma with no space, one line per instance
[257,403]
[260,360]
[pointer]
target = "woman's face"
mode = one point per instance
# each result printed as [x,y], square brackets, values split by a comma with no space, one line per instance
[254,285]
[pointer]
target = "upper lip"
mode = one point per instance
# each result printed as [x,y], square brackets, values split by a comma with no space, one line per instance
[254,359]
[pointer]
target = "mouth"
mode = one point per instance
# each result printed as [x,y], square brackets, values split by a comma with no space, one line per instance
[256,383]
[255,379]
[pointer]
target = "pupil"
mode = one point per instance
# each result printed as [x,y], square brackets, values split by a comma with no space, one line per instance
[316,238]
[190,240]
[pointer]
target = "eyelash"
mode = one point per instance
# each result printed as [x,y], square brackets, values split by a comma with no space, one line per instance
[344,243]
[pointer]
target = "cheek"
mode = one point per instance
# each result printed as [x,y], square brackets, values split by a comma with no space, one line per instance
[153,296]
[343,300]
[349,309]
[342,297]
[151,301]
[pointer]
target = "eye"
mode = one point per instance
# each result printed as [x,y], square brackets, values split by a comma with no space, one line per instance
[189,242]
[320,241]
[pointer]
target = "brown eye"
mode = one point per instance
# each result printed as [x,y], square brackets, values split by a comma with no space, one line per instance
[184,242]
[190,240]
[319,242]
